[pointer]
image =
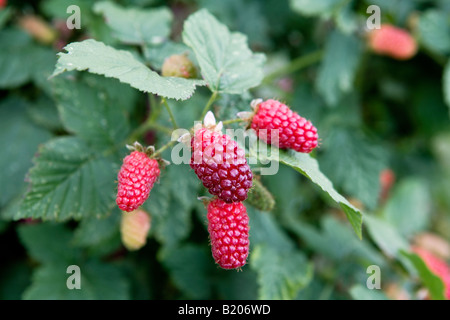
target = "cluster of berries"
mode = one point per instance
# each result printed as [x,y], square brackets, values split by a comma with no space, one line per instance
[221,166]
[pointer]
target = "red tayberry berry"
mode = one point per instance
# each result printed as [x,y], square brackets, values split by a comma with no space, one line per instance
[221,165]
[392,41]
[136,178]
[228,230]
[275,123]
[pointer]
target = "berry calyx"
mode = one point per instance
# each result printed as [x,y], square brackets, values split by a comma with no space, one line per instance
[178,65]
[275,123]
[220,164]
[228,230]
[134,228]
[136,178]
[392,41]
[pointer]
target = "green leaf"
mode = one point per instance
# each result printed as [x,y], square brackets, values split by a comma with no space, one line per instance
[15,278]
[17,60]
[5,14]
[238,285]
[264,230]
[409,207]
[98,282]
[385,236]
[48,243]
[309,167]
[226,62]
[280,274]
[315,7]
[19,139]
[365,158]
[358,292]
[335,241]
[429,279]
[434,30]
[98,58]
[171,221]
[190,268]
[69,181]
[136,25]
[99,236]
[338,69]
[91,110]
[446,84]
[44,113]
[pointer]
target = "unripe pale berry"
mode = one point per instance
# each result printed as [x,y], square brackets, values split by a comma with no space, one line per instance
[392,41]
[134,228]
[178,65]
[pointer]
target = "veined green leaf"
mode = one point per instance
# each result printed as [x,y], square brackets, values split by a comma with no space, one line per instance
[92,109]
[69,181]
[280,274]
[334,78]
[309,167]
[226,62]
[136,25]
[98,58]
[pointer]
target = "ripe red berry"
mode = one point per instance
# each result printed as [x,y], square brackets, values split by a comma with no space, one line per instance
[436,265]
[221,165]
[294,131]
[136,178]
[392,41]
[228,230]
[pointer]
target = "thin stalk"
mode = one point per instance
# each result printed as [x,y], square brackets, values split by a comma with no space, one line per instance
[295,65]
[208,105]
[164,147]
[237,120]
[134,136]
[172,118]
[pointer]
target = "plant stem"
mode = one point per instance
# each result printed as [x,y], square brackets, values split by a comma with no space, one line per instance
[295,65]
[233,121]
[164,147]
[208,105]
[172,118]
[148,126]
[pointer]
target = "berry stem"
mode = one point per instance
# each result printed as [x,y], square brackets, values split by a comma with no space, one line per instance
[172,118]
[148,125]
[295,65]
[208,104]
[230,121]
[164,147]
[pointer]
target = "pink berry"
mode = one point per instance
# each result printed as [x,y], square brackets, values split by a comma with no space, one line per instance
[294,131]
[228,230]
[136,178]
